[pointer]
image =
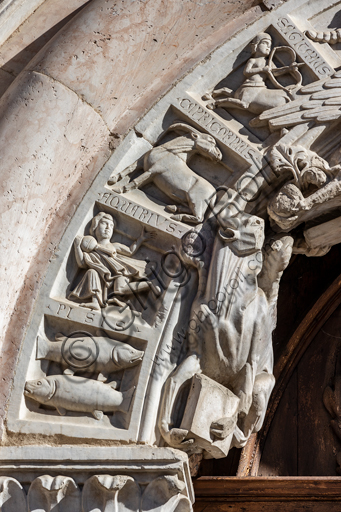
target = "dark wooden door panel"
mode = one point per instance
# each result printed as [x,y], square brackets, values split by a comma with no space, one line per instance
[273,494]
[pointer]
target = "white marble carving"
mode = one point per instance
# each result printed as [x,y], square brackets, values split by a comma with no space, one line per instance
[316,103]
[69,393]
[328,36]
[165,494]
[120,493]
[167,167]
[80,352]
[230,336]
[206,396]
[49,494]
[254,95]
[107,493]
[100,493]
[314,190]
[12,495]
[146,481]
[154,325]
[111,272]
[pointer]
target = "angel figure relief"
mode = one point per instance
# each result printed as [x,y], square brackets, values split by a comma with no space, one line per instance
[111,272]
[254,94]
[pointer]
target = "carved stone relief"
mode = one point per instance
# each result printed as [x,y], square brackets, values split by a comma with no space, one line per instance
[136,259]
[12,496]
[149,484]
[59,493]
[103,493]
[155,324]
[166,167]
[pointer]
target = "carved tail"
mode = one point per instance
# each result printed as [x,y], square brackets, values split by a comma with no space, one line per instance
[330,36]
[127,399]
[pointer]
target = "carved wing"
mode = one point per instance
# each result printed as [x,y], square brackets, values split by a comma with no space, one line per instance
[319,101]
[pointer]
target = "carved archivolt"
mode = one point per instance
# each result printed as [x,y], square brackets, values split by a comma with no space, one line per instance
[168,286]
[155,324]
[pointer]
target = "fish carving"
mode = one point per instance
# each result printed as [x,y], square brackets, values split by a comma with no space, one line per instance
[70,393]
[81,352]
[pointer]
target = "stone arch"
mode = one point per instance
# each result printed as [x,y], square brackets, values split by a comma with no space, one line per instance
[93,112]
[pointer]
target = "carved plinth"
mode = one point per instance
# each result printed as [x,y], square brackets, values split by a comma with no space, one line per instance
[73,479]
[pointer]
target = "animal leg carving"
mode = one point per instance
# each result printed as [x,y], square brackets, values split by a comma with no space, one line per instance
[228,102]
[179,208]
[186,370]
[264,383]
[137,183]
[114,178]
[191,219]
[197,207]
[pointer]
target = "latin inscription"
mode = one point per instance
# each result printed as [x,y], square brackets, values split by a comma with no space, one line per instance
[117,320]
[297,40]
[128,207]
[209,122]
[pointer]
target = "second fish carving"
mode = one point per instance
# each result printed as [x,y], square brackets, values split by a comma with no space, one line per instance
[69,393]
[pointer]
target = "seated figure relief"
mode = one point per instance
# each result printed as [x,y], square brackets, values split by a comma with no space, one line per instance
[111,271]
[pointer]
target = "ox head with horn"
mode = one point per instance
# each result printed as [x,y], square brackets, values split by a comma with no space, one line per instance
[204,143]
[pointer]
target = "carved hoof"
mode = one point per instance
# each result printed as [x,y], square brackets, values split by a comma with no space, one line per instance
[176,437]
[223,427]
[171,208]
[189,219]
[207,97]
[118,189]
[112,180]
[211,105]
[98,415]
[177,217]
[90,305]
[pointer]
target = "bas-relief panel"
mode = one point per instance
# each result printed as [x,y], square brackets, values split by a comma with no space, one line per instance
[154,325]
